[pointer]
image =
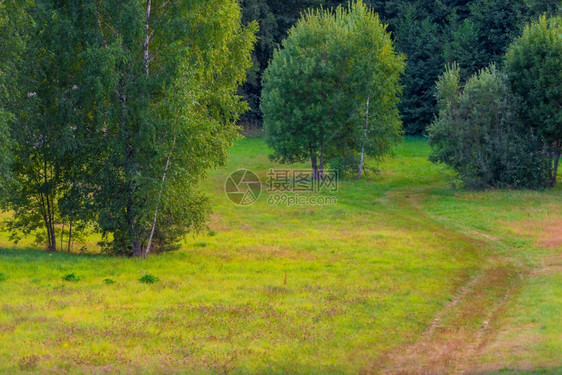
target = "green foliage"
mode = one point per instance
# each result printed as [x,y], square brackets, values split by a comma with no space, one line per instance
[345,164]
[14,22]
[275,18]
[121,113]
[431,33]
[317,88]
[418,28]
[258,10]
[41,131]
[71,277]
[479,134]
[534,66]
[483,37]
[183,112]
[149,279]
[108,281]
[2,277]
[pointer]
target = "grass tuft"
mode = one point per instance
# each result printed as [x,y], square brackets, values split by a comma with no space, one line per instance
[149,279]
[71,277]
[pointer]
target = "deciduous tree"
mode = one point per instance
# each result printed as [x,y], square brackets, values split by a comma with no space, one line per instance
[478,133]
[123,108]
[318,86]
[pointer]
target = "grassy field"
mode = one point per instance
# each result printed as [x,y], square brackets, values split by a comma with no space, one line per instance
[403,275]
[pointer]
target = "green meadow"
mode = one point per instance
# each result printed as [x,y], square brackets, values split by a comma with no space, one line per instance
[405,274]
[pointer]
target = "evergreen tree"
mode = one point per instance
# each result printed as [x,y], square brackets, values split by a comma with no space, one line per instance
[421,40]
[14,24]
[484,35]
[258,10]
[534,66]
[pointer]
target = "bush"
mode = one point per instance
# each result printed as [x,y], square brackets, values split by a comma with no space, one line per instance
[149,279]
[479,133]
[71,277]
[346,165]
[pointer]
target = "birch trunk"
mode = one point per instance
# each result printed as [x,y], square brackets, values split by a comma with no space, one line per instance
[146,49]
[362,162]
[159,199]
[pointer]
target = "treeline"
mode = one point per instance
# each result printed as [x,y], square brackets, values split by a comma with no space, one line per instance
[472,33]
[331,96]
[111,112]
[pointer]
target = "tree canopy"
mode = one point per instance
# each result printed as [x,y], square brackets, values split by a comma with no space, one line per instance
[334,70]
[473,33]
[122,109]
[534,66]
[479,133]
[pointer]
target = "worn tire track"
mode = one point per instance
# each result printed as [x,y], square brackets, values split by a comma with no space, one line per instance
[458,333]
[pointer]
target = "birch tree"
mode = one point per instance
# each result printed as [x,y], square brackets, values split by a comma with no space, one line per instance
[180,64]
[332,90]
[42,119]
[124,107]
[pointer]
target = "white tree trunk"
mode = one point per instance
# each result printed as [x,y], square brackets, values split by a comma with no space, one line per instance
[146,55]
[362,162]
[159,199]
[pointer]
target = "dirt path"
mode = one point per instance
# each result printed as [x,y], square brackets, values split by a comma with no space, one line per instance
[461,330]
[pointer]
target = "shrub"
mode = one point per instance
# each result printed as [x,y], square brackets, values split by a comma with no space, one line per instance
[71,277]
[479,133]
[345,164]
[149,279]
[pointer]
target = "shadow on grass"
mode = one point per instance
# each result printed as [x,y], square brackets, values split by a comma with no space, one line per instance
[540,371]
[34,254]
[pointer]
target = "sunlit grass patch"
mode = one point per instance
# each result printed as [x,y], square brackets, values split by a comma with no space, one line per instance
[273,289]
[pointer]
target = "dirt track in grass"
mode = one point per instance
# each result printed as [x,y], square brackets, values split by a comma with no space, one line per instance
[465,326]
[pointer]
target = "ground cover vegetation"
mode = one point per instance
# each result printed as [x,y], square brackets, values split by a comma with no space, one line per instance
[400,276]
